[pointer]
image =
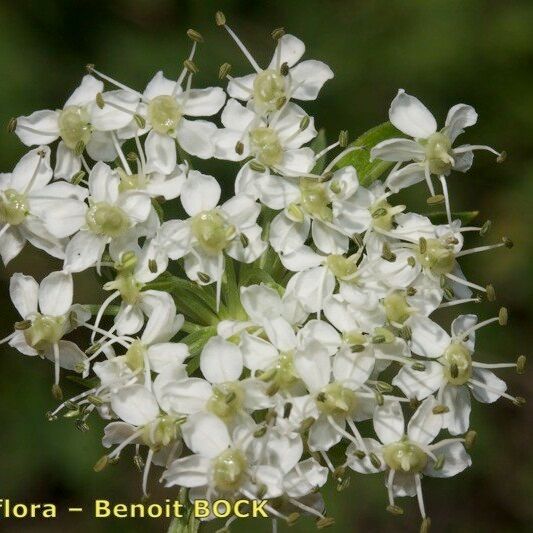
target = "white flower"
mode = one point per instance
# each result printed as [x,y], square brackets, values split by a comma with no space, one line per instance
[454,375]
[283,79]
[25,195]
[212,230]
[274,143]
[76,127]
[111,216]
[407,455]
[48,315]
[431,150]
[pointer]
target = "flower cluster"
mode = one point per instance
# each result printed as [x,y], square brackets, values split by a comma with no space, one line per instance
[253,346]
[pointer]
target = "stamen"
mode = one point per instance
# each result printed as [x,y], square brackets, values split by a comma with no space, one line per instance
[120,153]
[446,199]
[420,496]
[427,175]
[329,464]
[472,147]
[459,302]
[306,508]
[243,48]
[471,330]
[101,312]
[92,70]
[461,281]
[147,466]
[11,335]
[482,249]
[35,172]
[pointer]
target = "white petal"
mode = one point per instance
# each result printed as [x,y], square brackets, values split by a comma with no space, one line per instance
[286,236]
[225,142]
[158,86]
[203,102]
[389,422]
[301,259]
[24,291]
[166,356]
[200,193]
[242,211]
[296,162]
[323,436]
[411,116]
[309,77]
[11,244]
[257,353]
[196,137]
[136,204]
[117,432]
[33,170]
[188,471]
[236,117]
[455,460]
[67,162]
[56,293]
[35,232]
[221,361]
[103,183]
[135,405]
[428,338]
[460,116]
[86,92]
[288,50]
[101,146]
[405,177]
[109,117]
[160,153]
[276,192]
[83,251]
[129,319]
[44,128]
[365,466]
[188,396]
[304,477]
[312,287]
[488,378]
[398,150]
[462,324]
[419,384]
[206,434]
[70,356]
[424,425]
[320,331]
[457,399]
[313,366]
[353,368]
[241,87]
[260,302]
[327,239]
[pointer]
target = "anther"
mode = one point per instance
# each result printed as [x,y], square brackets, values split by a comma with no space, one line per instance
[138,462]
[343,138]
[95,400]
[374,459]
[191,66]
[360,454]
[89,67]
[258,433]
[422,245]
[220,18]
[57,393]
[503,316]
[439,463]
[203,277]
[292,519]
[256,166]
[284,69]
[379,212]
[101,463]
[440,409]
[425,525]
[287,408]
[82,426]
[502,157]
[454,370]
[239,148]
[80,147]
[195,36]
[395,510]
[12,125]
[304,123]
[418,366]
[387,254]
[272,389]
[325,522]
[278,33]
[224,70]
[491,293]
[378,339]
[470,439]
[411,261]
[140,121]
[306,424]
[507,242]
[357,348]
[485,228]
[76,179]
[519,401]
[411,291]
[152,265]
[435,200]
[521,364]
[22,325]
[383,386]
[100,102]
[379,398]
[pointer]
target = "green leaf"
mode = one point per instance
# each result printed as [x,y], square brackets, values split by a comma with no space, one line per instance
[439,217]
[369,171]
[319,143]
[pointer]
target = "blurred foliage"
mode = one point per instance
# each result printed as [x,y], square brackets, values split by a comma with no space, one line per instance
[443,51]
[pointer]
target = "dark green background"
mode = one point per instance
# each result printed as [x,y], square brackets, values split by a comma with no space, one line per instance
[445,52]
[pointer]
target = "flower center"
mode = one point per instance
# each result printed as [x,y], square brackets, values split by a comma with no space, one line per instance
[396,307]
[269,89]
[135,355]
[437,256]
[336,400]
[229,470]
[131,182]
[457,363]
[160,433]
[45,331]
[106,219]
[266,146]
[439,153]
[13,207]
[315,200]
[285,373]
[226,400]
[405,456]
[212,231]
[382,215]
[164,114]
[343,268]
[74,126]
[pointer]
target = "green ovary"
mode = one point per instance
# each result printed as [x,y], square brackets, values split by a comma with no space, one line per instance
[439,153]
[229,470]
[396,307]
[336,400]
[226,401]
[269,89]
[135,355]
[106,219]
[405,456]
[457,364]
[74,126]
[343,268]
[437,256]
[164,114]
[266,146]
[315,200]
[45,331]
[212,231]
[13,207]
